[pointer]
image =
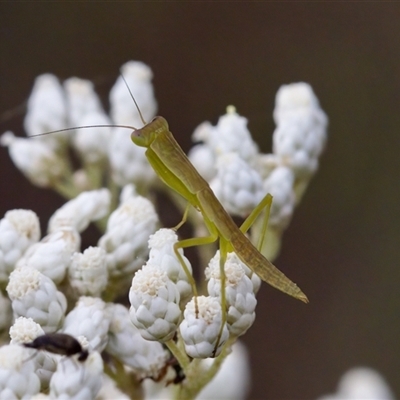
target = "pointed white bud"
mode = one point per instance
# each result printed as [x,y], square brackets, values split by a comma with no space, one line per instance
[230,135]
[52,255]
[36,159]
[79,212]
[81,100]
[301,131]
[138,77]
[128,162]
[46,107]
[127,233]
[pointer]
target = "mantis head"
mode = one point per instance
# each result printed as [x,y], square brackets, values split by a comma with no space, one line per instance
[145,136]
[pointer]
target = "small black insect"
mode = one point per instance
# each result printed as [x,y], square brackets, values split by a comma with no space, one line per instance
[59,343]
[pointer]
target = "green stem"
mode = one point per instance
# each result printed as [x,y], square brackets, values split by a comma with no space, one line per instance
[181,357]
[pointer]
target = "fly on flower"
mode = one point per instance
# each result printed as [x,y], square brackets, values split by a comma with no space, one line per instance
[59,343]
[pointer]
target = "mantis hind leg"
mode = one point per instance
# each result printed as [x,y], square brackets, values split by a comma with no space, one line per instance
[182,244]
[214,235]
[264,204]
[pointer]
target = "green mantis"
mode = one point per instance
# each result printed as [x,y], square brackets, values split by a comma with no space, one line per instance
[176,171]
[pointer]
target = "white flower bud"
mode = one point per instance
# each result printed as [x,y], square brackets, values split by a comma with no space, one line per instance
[77,380]
[90,319]
[36,159]
[230,135]
[138,76]
[361,383]
[237,185]
[240,298]
[19,229]
[162,254]
[127,160]
[127,233]
[201,332]
[46,107]
[79,212]
[81,100]
[300,135]
[155,304]
[25,330]
[280,185]
[147,358]
[88,273]
[203,159]
[35,295]
[232,381]
[52,255]
[17,373]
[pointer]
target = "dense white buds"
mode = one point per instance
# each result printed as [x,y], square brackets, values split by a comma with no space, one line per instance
[170,332]
[300,135]
[237,185]
[154,302]
[128,230]
[88,273]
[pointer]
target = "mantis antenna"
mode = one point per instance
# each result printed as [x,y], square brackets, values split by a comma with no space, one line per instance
[133,98]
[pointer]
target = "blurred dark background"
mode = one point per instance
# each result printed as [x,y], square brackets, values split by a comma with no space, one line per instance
[343,246]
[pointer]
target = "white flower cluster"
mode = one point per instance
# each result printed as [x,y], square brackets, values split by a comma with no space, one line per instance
[241,176]
[105,153]
[43,276]
[52,286]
